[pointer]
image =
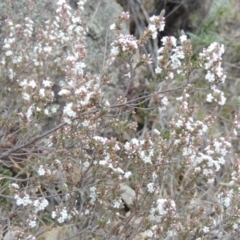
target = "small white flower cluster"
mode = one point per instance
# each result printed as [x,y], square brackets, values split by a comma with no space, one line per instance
[117,203]
[219,146]
[190,125]
[158,70]
[40,204]
[225,198]
[211,162]
[28,28]
[101,140]
[185,123]
[127,175]
[236,125]
[211,60]
[31,90]
[124,44]
[206,229]
[216,96]
[24,84]
[64,92]
[163,102]
[92,195]
[168,42]
[135,146]
[132,146]
[118,25]
[146,156]
[164,208]
[8,44]
[112,26]
[41,171]
[174,55]
[32,221]
[85,93]
[69,113]
[23,199]
[61,214]
[107,162]
[150,187]
[151,233]
[81,4]
[156,23]
[82,96]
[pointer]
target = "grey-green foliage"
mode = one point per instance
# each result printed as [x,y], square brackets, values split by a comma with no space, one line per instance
[209,29]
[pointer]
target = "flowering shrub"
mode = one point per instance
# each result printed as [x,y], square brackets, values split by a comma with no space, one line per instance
[83,173]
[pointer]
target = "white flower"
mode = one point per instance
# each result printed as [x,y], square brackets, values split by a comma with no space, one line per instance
[9,53]
[85,123]
[145,158]
[14,185]
[172,40]
[227,202]
[209,98]
[26,96]
[64,216]
[171,75]
[222,100]
[150,233]
[41,171]
[11,74]
[68,110]
[128,75]
[155,131]
[210,77]
[117,203]
[235,226]
[47,49]
[32,224]
[42,92]
[64,92]
[179,123]
[23,200]
[183,38]
[152,28]
[113,26]
[53,215]
[158,70]
[17,59]
[32,84]
[150,187]
[175,62]
[6,46]
[92,195]
[161,206]
[86,164]
[40,204]
[127,174]
[54,108]
[206,229]
[86,212]
[172,233]
[47,83]
[164,101]
[100,139]
[114,51]
[78,68]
